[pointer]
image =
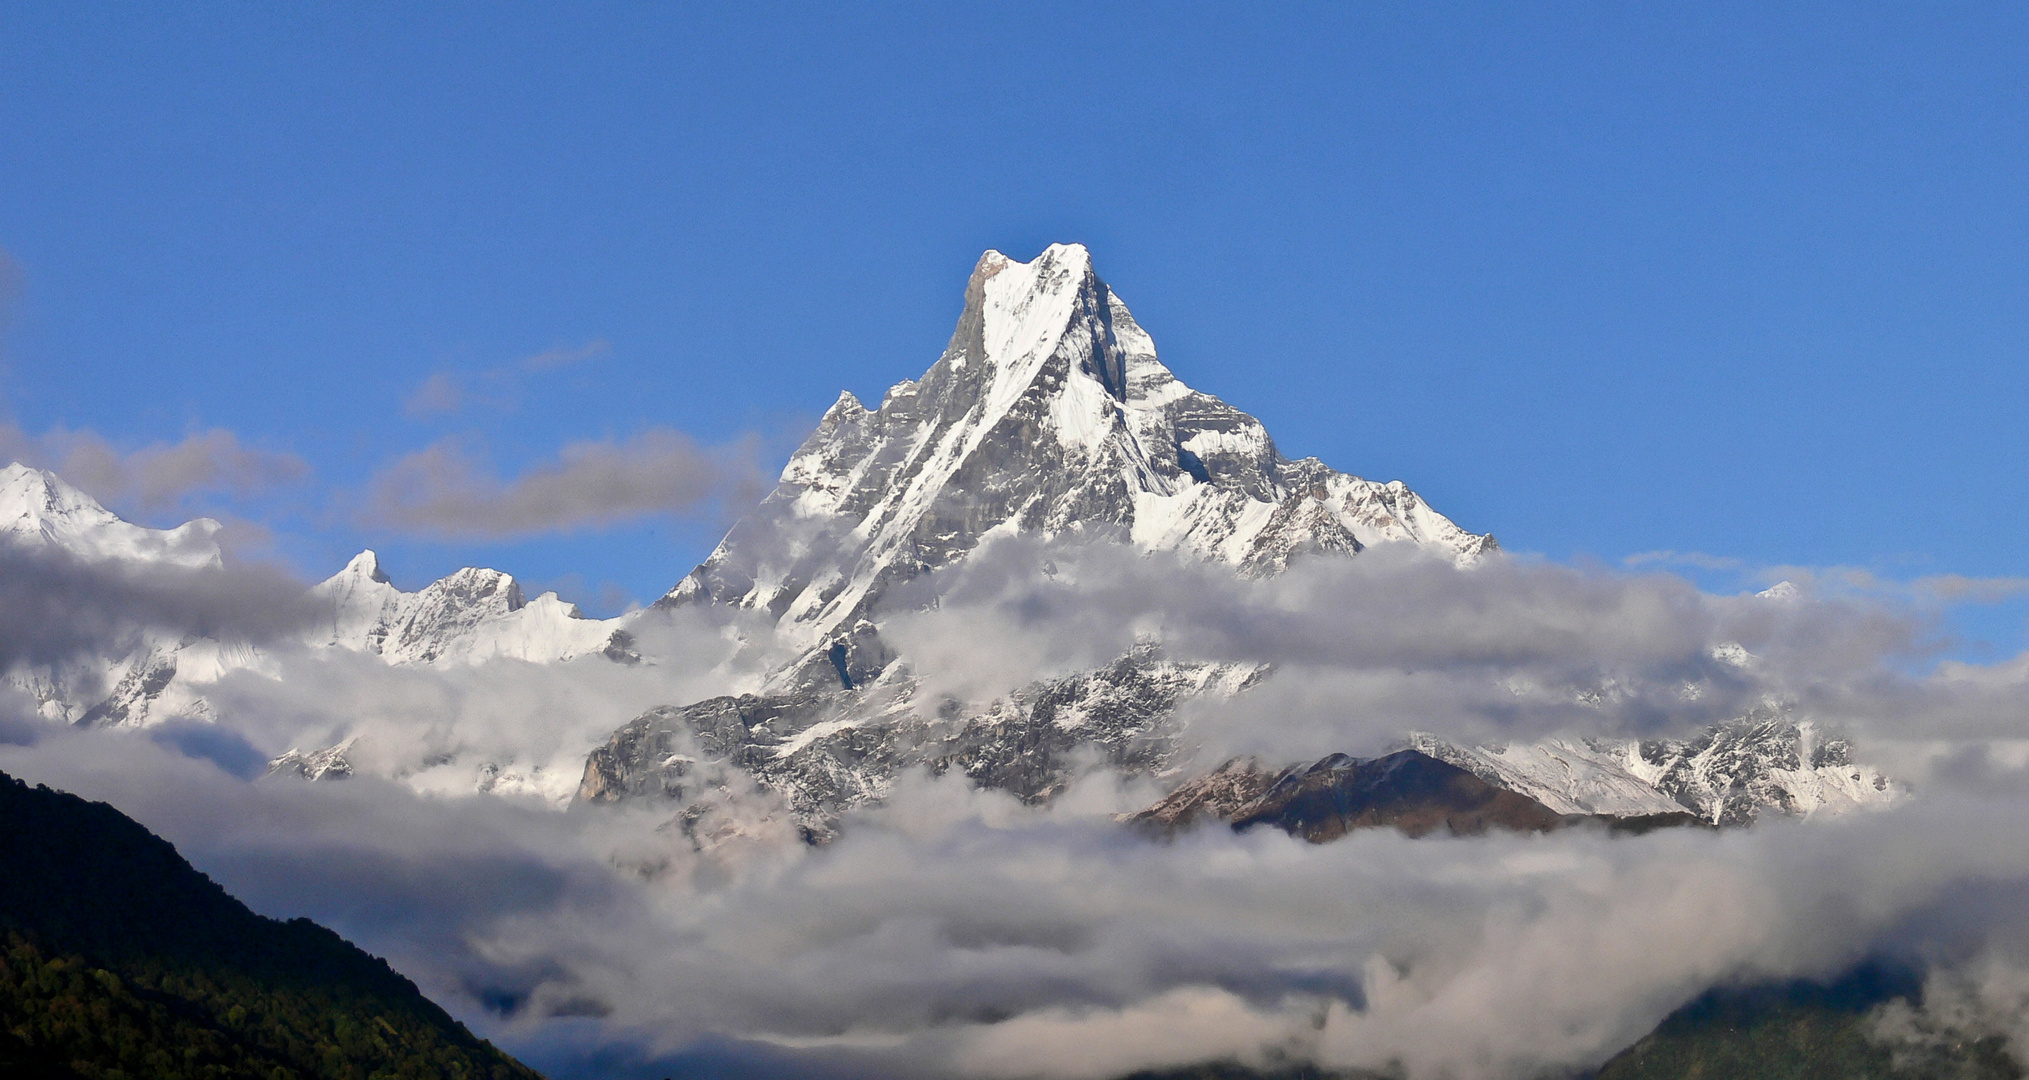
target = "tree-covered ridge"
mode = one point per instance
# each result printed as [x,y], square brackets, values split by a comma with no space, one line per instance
[1787,1031]
[1805,1031]
[120,960]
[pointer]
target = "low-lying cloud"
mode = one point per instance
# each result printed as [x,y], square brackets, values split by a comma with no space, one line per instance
[1367,649]
[55,606]
[953,932]
[443,491]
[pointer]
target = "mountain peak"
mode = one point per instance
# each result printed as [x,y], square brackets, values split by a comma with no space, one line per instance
[38,507]
[366,565]
[31,494]
[1048,414]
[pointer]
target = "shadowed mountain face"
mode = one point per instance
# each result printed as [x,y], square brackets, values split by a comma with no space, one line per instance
[1407,790]
[117,959]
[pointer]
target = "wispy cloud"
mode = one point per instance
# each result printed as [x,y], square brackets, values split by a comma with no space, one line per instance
[498,388]
[1927,589]
[1695,559]
[443,490]
[157,476]
[552,359]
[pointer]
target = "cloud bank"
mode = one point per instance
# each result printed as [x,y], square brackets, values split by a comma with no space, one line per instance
[954,932]
[54,606]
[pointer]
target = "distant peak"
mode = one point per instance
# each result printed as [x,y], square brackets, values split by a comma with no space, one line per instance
[366,564]
[480,582]
[1781,590]
[46,490]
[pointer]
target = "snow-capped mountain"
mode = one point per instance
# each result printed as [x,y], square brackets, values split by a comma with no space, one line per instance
[38,509]
[149,675]
[1048,414]
[1728,776]
[40,512]
[470,616]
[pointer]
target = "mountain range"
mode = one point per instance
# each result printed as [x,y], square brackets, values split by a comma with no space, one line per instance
[1048,417]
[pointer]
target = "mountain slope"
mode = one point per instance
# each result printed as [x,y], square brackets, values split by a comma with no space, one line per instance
[1780,1031]
[119,956]
[1806,1031]
[1727,775]
[1407,790]
[1048,414]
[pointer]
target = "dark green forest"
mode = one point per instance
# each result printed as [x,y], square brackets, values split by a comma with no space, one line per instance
[119,960]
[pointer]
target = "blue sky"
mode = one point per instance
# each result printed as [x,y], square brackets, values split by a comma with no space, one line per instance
[1744,280]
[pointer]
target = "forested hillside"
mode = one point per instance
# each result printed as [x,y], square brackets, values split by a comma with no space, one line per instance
[120,960]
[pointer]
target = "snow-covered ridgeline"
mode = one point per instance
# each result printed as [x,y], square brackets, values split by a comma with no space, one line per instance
[1728,775]
[38,509]
[149,675]
[470,616]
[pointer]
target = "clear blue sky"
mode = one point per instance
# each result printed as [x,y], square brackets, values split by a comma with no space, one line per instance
[1743,279]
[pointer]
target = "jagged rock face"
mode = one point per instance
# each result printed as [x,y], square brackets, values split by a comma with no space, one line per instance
[1048,414]
[472,615]
[1764,761]
[1219,795]
[825,752]
[1728,775]
[1323,801]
